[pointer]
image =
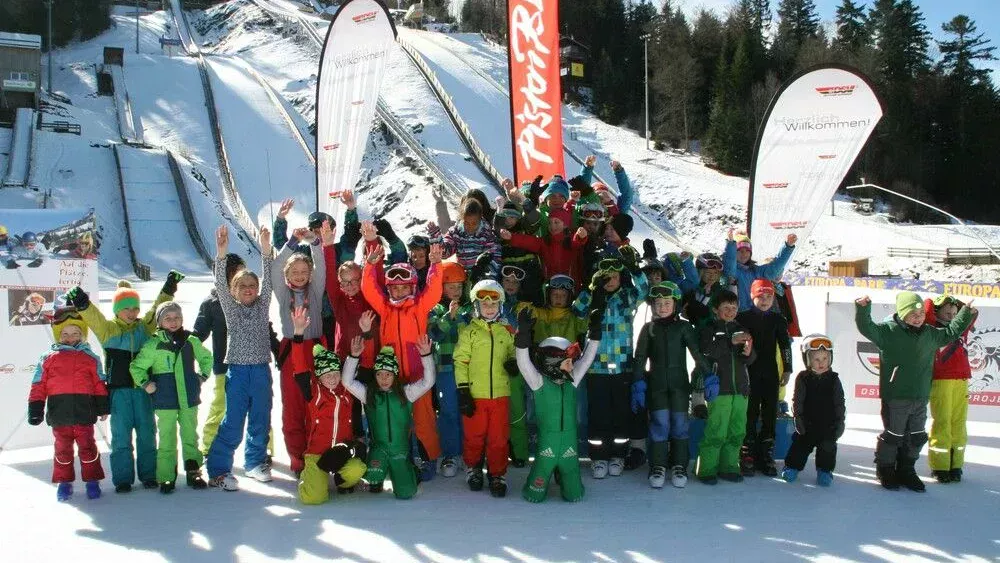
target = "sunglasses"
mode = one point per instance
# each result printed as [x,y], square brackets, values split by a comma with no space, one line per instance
[660,291]
[513,271]
[819,344]
[610,264]
[487,295]
[399,274]
[562,282]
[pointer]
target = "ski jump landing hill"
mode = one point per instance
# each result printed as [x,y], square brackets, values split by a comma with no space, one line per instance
[19,157]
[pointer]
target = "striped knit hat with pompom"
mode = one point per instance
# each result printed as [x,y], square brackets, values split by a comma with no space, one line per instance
[125,297]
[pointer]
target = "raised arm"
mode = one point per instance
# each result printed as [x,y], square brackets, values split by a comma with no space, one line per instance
[956,327]
[773,269]
[415,390]
[625,192]
[349,378]
[863,320]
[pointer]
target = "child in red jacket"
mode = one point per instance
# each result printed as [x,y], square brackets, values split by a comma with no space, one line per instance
[70,379]
[329,432]
[949,395]
[559,250]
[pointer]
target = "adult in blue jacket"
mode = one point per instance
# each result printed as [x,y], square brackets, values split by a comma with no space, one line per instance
[738,265]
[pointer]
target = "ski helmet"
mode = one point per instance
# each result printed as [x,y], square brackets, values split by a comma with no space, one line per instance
[665,290]
[708,261]
[815,342]
[452,272]
[316,219]
[487,290]
[400,274]
[29,236]
[560,281]
[551,353]
[3,231]
[418,241]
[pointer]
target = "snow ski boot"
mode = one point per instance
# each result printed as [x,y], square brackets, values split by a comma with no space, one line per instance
[498,486]
[956,475]
[93,490]
[765,459]
[887,477]
[474,477]
[746,461]
[657,476]
[64,491]
[678,476]
[194,479]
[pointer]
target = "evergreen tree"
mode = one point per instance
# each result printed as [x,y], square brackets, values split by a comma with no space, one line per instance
[958,55]
[707,39]
[675,78]
[851,22]
[798,22]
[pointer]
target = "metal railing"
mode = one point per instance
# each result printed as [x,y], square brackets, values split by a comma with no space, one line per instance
[977,256]
[141,270]
[190,221]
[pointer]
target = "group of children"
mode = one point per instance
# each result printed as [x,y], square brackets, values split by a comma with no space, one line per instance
[542,293]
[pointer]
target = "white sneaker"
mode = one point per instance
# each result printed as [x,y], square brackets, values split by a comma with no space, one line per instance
[657,477]
[260,473]
[226,482]
[616,466]
[449,467]
[678,477]
[599,469]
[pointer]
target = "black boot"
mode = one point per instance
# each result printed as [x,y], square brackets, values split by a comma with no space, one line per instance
[498,486]
[167,487]
[942,476]
[907,476]
[474,477]
[746,460]
[764,461]
[635,459]
[956,475]
[887,477]
[194,479]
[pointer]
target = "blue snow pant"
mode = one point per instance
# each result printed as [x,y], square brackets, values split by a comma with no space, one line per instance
[132,411]
[449,420]
[669,425]
[248,396]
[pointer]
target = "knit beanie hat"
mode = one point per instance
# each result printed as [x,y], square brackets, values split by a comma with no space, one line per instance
[64,316]
[324,360]
[125,297]
[510,210]
[760,287]
[557,185]
[906,303]
[622,224]
[563,215]
[743,242]
[167,307]
[386,360]
[233,263]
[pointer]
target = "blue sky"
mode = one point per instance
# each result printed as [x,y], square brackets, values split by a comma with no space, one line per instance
[986,14]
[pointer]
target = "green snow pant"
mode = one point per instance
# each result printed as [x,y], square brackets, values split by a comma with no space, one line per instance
[386,463]
[216,412]
[167,421]
[556,450]
[719,451]
[132,411]
[518,419]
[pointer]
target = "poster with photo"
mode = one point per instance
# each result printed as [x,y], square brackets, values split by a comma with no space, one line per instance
[43,254]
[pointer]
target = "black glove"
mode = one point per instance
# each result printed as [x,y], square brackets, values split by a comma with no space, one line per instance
[12,265]
[36,412]
[577,183]
[525,325]
[595,324]
[385,229]
[598,296]
[700,411]
[78,298]
[535,191]
[510,366]
[630,258]
[302,380]
[170,286]
[649,249]
[35,263]
[360,450]
[465,403]
[334,458]
[481,269]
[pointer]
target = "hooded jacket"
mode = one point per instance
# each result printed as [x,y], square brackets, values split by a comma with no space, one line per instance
[177,365]
[70,380]
[951,361]
[121,341]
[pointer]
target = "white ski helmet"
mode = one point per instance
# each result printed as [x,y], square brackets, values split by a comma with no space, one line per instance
[487,287]
[816,341]
[550,354]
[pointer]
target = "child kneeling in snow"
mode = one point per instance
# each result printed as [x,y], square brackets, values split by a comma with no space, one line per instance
[818,408]
[70,379]
[389,406]
[555,403]
[330,447]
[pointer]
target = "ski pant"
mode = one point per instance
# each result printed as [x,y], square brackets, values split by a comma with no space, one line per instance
[248,401]
[949,411]
[904,435]
[90,460]
[609,413]
[132,411]
[556,450]
[763,404]
[425,426]
[216,411]
[669,425]
[802,446]
[487,431]
[167,421]
[393,463]
[719,451]
[293,409]
[518,419]
[582,420]
[449,420]
[314,483]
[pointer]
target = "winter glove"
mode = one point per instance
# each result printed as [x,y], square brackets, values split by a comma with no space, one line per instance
[12,265]
[630,258]
[35,263]
[785,375]
[302,381]
[465,403]
[360,450]
[510,366]
[638,395]
[36,412]
[711,387]
[78,298]
[535,190]
[595,324]
[525,324]
[385,229]
[800,425]
[481,269]
[170,286]
[576,183]
[648,249]
[698,407]
[334,458]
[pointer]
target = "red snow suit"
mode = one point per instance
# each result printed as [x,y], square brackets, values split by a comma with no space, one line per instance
[556,255]
[328,412]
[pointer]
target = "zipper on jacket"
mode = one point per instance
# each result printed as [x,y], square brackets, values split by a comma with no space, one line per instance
[489,326]
[388,418]
[562,407]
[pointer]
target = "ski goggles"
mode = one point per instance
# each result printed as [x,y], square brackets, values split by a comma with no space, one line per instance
[509,213]
[709,262]
[399,274]
[942,300]
[591,214]
[419,241]
[572,352]
[818,344]
[513,271]
[488,295]
[610,265]
[562,282]
[665,290]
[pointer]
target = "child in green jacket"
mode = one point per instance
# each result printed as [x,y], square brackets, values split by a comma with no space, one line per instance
[907,348]
[171,367]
